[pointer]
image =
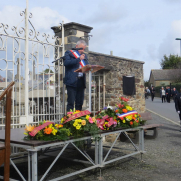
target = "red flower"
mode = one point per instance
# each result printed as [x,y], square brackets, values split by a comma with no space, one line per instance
[131,123]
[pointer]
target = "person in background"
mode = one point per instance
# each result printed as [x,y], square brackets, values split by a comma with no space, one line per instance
[152,93]
[174,93]
[146,94]
[163,94]
[168,94]
[178,105]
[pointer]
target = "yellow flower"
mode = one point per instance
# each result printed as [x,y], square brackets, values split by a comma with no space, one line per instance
[129,108]
[50,125]
[75,124]
[129,117]
[124,121]
[83,122]
[62,120]
[54,131]
[87,117]
[78,126]
[135,115]
[26,133]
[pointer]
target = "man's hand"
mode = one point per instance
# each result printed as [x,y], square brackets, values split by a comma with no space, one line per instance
[82,57]
[178,112]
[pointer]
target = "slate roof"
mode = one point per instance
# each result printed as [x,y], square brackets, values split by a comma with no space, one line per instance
[165,74]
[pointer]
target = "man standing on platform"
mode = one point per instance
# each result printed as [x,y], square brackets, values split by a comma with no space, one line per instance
[75,81]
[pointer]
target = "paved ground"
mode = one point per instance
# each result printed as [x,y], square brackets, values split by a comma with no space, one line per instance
[165,109]
[162,160]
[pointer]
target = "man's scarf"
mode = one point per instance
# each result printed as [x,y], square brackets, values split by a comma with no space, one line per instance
[76,54]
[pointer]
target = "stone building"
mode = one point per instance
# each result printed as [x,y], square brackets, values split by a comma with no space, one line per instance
[109,81]
[163,77]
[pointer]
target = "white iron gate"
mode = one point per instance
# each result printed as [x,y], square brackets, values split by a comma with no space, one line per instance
[26,57]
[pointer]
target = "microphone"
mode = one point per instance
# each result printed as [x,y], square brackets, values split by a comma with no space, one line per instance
[77,48]
[61,58]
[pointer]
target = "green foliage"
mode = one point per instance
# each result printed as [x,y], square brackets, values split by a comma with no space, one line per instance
[170,62]
[146,83]
[46,71]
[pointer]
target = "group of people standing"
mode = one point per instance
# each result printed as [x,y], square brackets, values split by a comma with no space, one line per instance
[167,93]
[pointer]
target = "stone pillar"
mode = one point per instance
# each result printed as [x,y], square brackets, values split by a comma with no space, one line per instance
[73,32]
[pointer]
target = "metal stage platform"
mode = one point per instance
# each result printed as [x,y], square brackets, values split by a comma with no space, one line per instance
[98,160]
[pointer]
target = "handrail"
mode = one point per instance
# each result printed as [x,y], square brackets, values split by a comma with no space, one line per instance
[6,90]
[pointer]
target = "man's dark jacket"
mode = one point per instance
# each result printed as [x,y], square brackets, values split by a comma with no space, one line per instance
[152,91]
[168,91]
[178,102]
[71,64]
[174,93]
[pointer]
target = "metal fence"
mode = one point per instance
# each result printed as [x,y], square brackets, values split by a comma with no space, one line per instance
[26,57]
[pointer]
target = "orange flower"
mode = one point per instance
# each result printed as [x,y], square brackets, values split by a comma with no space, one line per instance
[122,118]
[47,130]
[83,122]
[131,123]
[29,128]
[59,126]
[116,110]
[125,110]
[133,118]
[77,111]
[115,120]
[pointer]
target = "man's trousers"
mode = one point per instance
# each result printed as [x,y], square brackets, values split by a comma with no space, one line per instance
[75,95]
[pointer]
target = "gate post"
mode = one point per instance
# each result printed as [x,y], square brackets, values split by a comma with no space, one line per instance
[26,62]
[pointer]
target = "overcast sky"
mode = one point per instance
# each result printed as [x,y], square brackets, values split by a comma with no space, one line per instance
[142,30]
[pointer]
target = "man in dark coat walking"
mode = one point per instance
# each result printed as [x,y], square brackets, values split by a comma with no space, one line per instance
[152,93]
[168,94]
[75,82]
[178,105]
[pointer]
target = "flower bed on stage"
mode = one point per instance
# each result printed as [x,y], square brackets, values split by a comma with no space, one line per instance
[80,123]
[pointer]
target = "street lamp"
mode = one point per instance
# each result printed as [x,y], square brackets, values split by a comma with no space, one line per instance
[180,44]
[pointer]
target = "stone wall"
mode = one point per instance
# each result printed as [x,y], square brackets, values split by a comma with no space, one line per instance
[116,68]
